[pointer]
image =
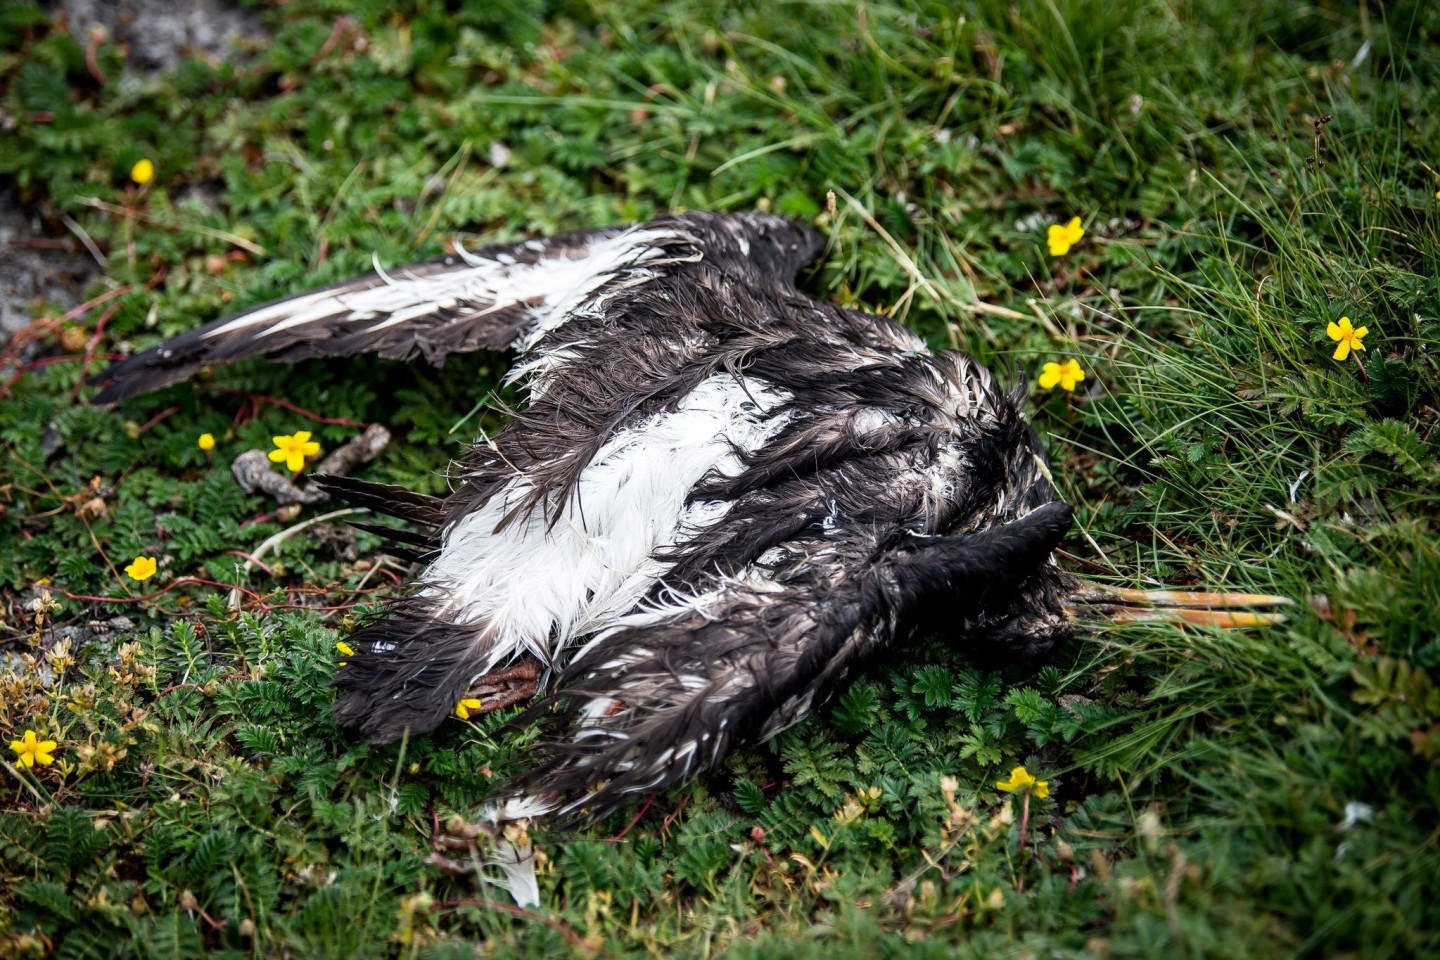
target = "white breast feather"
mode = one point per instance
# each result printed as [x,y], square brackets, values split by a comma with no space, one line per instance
[535,588]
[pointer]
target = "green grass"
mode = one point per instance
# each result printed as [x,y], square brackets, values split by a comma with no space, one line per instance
[204,801]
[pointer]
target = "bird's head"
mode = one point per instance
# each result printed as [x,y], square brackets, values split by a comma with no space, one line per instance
[1023,624]
[1002,590]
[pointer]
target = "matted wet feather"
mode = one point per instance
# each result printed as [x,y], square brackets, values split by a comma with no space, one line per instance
[719,500]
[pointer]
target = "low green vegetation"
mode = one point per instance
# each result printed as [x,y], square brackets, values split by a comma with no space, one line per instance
[1247,173]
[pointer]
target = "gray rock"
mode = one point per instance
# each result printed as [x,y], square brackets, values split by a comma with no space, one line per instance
[159,33]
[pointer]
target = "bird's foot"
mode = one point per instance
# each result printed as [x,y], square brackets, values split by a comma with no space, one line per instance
[503,688]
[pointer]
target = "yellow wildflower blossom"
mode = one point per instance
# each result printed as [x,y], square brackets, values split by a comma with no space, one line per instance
[1022,782]
[292,450]
[143,171]
[1347,336]
[464,707]
[1064,375]
[345,650]
[31,750]
[1061,237]
[142,568]
[206,441]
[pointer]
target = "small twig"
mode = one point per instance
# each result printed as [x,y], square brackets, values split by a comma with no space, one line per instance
[92,61]
[336,32]
[24,782]
[377,567]
[356,452]
[251,468]
[133,214]
[276,539]
[214,924]
[89,244]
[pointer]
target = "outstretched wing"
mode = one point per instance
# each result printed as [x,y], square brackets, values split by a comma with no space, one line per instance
[494,298]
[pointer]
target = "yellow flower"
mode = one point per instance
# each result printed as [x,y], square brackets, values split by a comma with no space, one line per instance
[206,441]
[1022,782]
[1348,336]
[142,568]
[293,450]
[1062,237]
[345,650]
[143,171]
[463,708]
[1064,375]
[30,750]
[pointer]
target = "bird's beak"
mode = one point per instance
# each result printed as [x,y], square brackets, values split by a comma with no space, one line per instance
[1123,605]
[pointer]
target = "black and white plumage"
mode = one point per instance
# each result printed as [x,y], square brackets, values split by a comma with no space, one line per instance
[721,498]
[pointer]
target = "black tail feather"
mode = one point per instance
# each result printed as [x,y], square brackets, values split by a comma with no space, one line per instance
[384,498]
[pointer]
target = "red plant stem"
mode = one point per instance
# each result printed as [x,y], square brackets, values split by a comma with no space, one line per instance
[670,817]
[90,348]
[570,935]
[267,607]
[155,420]
[20,610]
[251,560]
[22,337]
[285,404]
[183,581]
[105,297]
[636,819]
[92,60]
[336,32]
[47,362]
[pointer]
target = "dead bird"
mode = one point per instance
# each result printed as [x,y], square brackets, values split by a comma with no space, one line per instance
[721,499]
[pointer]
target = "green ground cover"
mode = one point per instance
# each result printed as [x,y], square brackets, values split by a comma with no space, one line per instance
[201,799]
